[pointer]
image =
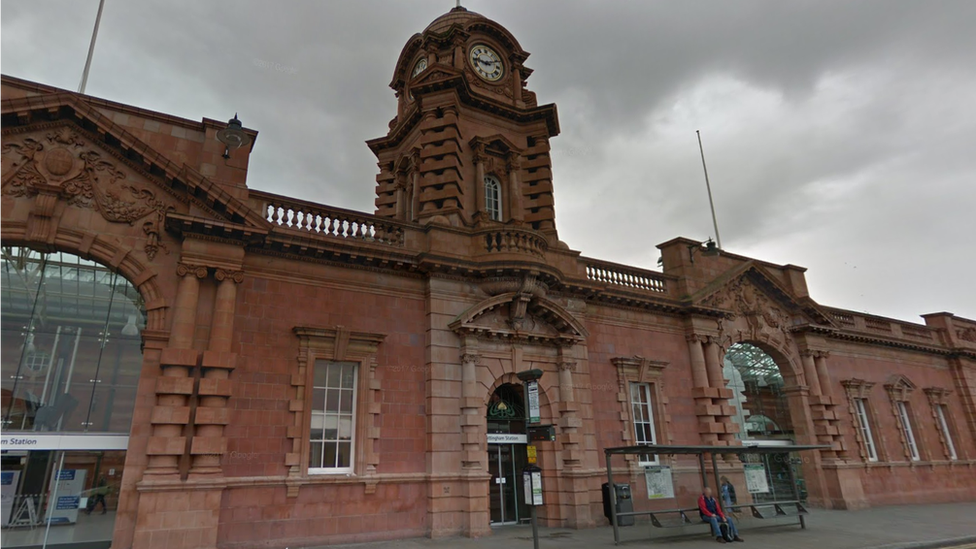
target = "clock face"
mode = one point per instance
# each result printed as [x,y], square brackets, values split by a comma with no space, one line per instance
[420,67]
[486,63]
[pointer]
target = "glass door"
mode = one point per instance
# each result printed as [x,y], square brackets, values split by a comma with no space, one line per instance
[505,464]
[499,482]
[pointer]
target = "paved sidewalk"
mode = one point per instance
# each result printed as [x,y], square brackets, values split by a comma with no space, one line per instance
[895,527]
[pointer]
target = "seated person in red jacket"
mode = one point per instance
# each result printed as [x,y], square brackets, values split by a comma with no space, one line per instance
[710,512]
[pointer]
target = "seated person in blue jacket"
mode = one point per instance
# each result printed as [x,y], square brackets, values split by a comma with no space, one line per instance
[710,512]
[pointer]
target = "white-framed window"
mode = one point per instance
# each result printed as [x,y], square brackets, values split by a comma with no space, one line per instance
[643,414]
[333,417]
[493,198]
[860,406]
[906,427]
[944,425]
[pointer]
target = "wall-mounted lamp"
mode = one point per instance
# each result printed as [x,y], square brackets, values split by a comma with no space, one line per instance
[709,250]
[233,136]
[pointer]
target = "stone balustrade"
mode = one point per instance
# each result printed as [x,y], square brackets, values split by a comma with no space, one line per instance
[882,326]
[512,240]
[328,221]
[620,275]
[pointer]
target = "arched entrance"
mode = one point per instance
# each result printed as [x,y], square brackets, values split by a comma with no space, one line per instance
[506,455]
[762,412]
[72,355]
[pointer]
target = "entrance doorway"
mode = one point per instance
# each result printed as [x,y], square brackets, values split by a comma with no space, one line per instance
[505,464]
[507,456]
[763,416]
[72,346]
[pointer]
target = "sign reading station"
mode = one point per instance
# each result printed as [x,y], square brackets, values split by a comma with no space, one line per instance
[506,438]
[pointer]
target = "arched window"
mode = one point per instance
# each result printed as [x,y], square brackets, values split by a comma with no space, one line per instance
[493,198]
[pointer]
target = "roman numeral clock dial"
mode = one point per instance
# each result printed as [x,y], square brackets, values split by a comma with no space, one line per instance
[486,63]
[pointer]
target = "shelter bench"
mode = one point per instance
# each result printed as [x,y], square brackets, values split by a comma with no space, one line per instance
[677,518]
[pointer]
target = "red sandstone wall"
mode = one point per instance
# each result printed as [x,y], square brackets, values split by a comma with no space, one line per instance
[268,308]
[263,516]
[894,479]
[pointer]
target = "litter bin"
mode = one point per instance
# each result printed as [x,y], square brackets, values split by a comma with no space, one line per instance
[625,504]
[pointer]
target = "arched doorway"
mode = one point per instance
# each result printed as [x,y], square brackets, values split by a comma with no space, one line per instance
[72,355]
[506,455]
[762,412]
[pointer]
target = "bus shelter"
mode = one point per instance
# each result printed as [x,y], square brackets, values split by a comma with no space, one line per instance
[658,480]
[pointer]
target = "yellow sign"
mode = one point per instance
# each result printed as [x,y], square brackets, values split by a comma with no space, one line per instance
[530,451]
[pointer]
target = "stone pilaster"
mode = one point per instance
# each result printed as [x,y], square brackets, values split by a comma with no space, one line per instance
[475,487]
[479,156]
[569,421]
[514,164]
[715,423]
[472,414]
[964,378]
[209,444]
[810,372]
[171,414]
[823,407]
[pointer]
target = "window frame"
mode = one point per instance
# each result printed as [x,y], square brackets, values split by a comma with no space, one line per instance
[353,441]
[864,424]
[493,197]
[341,345]
[637,369]
[900,390]
[858,388]
[908,432]
[940,412]
[648,408]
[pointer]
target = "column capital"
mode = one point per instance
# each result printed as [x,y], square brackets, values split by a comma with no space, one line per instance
[232,276]
[471,357]
[478,152]
[567,365]
[696,338]
[513,161]
[184,269]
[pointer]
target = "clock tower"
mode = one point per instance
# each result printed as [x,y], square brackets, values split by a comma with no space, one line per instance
[469,146]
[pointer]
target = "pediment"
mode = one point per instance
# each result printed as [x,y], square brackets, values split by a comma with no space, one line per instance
[517,316]
[749,290]
[899,382]
[60,144]
[435,73]
[496,143]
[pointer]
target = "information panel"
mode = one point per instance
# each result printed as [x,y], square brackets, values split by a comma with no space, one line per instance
[9,486]
[533,388]
[69,485]
[660,484]
[756,481]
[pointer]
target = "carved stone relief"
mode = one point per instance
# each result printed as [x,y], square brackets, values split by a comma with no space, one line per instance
[63,164]
[762,315]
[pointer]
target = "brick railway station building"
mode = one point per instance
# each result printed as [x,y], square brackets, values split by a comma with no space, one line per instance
[225,367]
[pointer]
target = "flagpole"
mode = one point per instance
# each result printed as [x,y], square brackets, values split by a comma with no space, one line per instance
[91,48]
[711,204]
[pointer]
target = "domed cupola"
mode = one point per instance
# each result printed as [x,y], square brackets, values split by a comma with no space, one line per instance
[469,145]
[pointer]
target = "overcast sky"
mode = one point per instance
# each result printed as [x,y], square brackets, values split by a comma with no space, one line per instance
[840,136]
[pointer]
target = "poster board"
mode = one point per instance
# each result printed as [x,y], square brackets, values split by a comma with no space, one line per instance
[756,481]
[660,483]
[68,486]
[8,488]
[533,390]
[532,487]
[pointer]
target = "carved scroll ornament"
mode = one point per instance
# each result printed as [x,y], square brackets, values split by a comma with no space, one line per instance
[62,164]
